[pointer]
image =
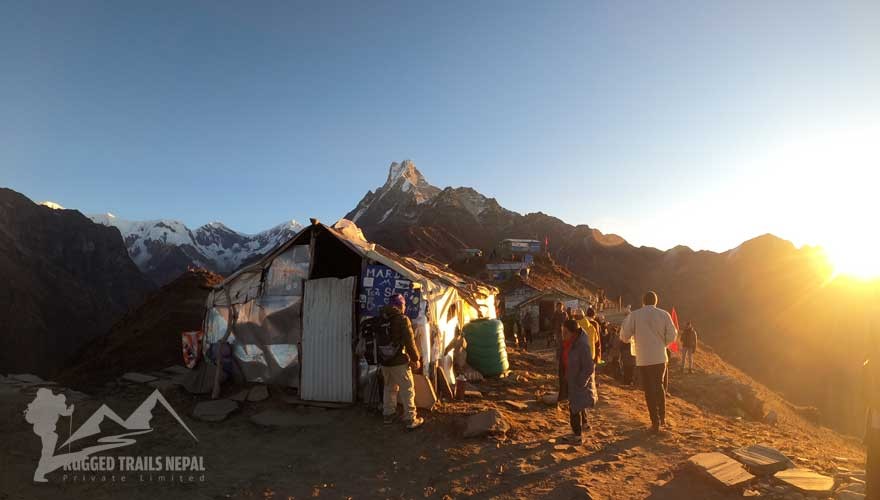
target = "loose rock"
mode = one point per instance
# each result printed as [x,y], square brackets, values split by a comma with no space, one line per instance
[258,393]
[490,422]
[138,378]
[806,481]
[214,411]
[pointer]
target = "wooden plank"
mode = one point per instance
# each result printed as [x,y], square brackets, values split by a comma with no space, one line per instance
[426,398]
[806,481]
[726,471]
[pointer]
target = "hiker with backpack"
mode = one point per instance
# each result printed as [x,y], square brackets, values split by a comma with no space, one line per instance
[651,329]
[399,356]
[688,347]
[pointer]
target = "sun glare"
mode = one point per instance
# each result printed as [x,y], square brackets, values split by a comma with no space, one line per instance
[855,260]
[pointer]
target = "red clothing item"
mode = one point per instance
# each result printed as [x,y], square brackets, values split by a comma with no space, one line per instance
[566,346]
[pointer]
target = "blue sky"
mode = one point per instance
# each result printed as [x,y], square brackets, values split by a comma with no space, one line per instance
[665,122]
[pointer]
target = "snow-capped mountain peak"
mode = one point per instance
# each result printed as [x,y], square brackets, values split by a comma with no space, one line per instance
[164,248]
[404,188]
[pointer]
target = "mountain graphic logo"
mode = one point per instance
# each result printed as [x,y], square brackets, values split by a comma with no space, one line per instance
[47,407]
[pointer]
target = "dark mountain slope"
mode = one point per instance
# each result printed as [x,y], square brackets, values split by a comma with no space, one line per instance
[65,280]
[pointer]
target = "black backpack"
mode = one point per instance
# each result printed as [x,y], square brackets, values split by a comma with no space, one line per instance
[379,345]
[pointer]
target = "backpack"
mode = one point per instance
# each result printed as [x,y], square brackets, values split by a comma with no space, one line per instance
[378,330]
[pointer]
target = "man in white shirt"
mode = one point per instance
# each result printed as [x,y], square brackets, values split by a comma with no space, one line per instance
[651,330]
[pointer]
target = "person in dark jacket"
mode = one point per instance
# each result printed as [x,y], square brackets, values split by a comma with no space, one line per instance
[397,369]
[688,347]
[556,320]
[580,375]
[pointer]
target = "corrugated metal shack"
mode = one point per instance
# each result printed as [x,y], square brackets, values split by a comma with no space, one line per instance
[298,309]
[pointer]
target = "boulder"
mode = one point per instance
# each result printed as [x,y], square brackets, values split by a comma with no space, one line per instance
[722,469]
[806,481]
[771,418]
[486,422]
[138,378]
[214,411]
[258,393]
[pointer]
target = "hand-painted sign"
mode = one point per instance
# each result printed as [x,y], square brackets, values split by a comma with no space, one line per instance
[379,283]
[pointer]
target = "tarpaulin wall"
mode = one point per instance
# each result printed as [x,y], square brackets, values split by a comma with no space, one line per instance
[269,327]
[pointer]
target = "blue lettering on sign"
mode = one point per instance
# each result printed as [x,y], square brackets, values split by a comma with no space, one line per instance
[379,283]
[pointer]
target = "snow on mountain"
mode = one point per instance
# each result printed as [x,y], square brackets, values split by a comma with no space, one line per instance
[164,248]
[52,205]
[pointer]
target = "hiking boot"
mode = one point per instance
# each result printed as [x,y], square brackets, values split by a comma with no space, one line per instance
[388,419]
[654,429]
[415,423]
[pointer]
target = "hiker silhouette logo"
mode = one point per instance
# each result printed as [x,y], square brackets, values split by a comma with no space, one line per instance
[48,408]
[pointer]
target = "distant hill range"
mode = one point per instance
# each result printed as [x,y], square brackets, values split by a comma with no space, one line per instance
[165,249]
[65,280]
[766,305]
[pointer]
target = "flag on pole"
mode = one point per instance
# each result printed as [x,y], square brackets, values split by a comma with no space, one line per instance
[674,345]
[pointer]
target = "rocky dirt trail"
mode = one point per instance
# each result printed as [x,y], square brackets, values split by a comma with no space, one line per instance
[306,452]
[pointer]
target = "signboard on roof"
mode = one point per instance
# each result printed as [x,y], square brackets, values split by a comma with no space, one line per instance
[378,284]
[523,246]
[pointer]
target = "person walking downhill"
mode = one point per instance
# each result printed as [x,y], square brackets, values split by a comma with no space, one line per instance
[688,347]
[399,356]
[651,329]
[580,375]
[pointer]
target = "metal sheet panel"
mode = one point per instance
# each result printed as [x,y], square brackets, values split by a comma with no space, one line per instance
[327,358]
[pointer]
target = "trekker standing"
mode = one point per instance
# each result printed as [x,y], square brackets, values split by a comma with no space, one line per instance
[580,375]
[527,331]
[556,321]
[651,329]
[399,356]
[688,347]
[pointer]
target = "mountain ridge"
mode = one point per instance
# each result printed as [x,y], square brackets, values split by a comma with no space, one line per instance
[164,248]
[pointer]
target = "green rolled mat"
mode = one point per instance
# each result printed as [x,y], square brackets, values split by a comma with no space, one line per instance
[486,351]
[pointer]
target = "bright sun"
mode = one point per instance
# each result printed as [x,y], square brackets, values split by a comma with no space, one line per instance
[856,259]
[824,189]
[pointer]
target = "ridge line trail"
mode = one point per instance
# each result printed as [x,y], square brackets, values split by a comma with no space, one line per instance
[620,460]
[349,453]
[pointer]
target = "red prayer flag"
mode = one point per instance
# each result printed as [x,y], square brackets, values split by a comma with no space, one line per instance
[674,346]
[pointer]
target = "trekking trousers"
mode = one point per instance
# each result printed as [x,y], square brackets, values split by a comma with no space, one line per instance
[687,358]
[655,396]
[399,386]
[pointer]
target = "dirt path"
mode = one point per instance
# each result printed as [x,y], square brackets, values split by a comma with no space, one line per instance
[348,453]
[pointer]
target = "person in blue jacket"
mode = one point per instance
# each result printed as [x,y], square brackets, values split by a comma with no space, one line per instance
[580,374]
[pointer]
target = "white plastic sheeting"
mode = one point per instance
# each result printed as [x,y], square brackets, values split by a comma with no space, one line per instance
[327,363]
